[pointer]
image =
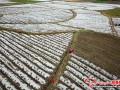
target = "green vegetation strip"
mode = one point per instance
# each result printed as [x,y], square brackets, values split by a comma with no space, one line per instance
[112,12]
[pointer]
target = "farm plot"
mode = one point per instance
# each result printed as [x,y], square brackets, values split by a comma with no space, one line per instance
[33,15]
[99,6]
[90,20]
[116,22]
[83,5]
[78,70]
[58,16]
[34,18]
[27,61]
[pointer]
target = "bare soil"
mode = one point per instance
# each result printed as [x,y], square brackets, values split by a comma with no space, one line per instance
[101,49]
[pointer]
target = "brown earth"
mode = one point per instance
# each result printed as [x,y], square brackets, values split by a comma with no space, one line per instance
[101,49]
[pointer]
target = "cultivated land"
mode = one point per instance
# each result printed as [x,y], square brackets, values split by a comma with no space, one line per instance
[35,41]
[99,48]
[112,13]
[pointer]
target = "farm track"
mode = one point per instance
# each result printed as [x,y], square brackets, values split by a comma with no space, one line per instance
[114,32]
[74,14]
[112,27]
[61,67]
[37,33]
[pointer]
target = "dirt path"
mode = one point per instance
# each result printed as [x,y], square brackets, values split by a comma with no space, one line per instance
[61,67]
[114,32]
[58,73]
[35,33]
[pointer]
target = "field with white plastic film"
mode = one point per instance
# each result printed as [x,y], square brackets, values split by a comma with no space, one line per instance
[78,74]
[27,61]
[57,15]
[35,40]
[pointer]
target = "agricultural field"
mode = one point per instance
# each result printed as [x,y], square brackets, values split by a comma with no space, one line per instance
[79,69]
[36,40]
[98,49]
[58,16]
[29,61]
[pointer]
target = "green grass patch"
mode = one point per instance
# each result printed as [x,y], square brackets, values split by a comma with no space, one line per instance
[112,13]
